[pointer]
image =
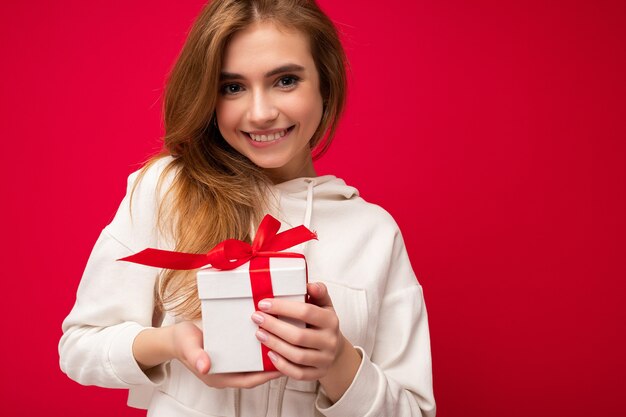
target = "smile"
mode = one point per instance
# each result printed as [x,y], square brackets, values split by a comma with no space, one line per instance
[268,136]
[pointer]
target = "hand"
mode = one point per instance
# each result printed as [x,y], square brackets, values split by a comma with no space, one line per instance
[187,348]
[309,353]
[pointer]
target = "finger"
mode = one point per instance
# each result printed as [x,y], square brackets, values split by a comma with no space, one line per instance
[199,358]
[193,353]
[300,373]
[240,379]
[304,337]
[295,354]
[203,362]
[318,294]
[250,379]
[308,313]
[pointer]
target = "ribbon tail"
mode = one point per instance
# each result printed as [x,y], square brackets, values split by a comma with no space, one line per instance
[168,259]
[290,238]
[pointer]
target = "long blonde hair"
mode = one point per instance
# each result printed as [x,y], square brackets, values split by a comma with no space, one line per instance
[217,193]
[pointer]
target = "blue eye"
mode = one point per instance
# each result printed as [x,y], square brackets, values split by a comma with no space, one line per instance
[230,89]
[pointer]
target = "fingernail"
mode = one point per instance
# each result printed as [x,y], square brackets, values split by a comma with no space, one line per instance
[257,318]
[264,305]
[272,356]
[261,335]
[199,365]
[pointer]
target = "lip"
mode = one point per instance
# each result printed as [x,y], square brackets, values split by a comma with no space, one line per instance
[267,132]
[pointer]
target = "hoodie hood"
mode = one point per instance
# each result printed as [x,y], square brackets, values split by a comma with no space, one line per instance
[297,199]
[327,187]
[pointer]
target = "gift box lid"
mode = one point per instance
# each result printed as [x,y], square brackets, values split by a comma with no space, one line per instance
[288,278]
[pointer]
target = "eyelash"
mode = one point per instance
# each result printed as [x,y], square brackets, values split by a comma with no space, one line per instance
[294,82]
[293,79]
[224,89]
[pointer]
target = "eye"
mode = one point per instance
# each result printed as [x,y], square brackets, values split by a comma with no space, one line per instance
[288,82]
[230,89]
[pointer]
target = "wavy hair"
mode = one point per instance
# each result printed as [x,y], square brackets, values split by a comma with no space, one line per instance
[216,192]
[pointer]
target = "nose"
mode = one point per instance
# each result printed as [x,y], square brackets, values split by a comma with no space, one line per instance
[262,110]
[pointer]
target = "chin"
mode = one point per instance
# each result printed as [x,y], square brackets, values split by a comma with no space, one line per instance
[269,163]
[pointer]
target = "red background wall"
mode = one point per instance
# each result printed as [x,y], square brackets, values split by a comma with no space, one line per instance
[493,131]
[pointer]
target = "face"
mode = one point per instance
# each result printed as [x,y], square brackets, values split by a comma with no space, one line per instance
[269,103]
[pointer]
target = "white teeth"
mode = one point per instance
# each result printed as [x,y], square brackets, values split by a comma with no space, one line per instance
[268,138]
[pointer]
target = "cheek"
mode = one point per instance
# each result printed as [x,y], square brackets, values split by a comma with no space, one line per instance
[305,109]
[227,116]
[228,123]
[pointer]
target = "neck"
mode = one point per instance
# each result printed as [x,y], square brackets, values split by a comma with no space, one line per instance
[292,171]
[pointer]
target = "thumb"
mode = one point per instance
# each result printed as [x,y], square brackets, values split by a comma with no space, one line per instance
[203,362]
[318,294]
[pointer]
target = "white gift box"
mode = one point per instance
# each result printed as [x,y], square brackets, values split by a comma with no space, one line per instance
[227,307]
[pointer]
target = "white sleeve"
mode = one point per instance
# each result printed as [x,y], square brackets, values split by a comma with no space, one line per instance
[396,380]
[114,302]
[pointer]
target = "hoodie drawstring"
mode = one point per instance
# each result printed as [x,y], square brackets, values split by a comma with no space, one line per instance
[308,213]
[309,202]
[281,396]
[237,400]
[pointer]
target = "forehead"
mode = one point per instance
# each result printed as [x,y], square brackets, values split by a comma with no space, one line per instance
[263,46]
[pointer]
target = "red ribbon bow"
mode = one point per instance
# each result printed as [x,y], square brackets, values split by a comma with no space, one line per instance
[231,253]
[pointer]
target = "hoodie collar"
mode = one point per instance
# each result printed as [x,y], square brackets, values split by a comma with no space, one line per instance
[326,187]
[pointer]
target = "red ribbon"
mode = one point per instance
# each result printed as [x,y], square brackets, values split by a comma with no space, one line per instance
[231,253]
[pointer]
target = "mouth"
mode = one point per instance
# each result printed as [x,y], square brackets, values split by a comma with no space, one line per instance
[270,136]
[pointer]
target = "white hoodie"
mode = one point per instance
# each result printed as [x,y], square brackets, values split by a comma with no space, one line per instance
[360,256]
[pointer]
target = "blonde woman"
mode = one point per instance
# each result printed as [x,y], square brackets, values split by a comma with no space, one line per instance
[254,97]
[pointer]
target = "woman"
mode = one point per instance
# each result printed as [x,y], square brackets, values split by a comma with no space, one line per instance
[259,86]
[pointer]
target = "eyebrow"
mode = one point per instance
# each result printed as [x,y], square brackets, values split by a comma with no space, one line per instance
[279,70]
